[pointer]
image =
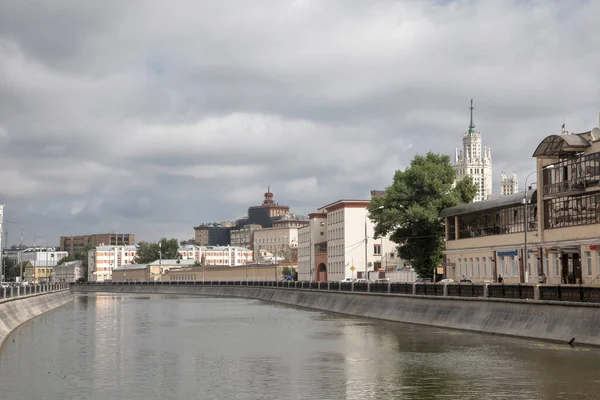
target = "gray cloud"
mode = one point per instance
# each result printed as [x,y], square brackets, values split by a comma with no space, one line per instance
[150,118]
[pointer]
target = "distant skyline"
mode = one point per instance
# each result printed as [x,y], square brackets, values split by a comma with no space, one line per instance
[147,118]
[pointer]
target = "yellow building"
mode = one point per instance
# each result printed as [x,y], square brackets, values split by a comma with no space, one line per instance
[37,274]
[488,238]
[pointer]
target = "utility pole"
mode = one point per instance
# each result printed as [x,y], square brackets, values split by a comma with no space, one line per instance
[21,257]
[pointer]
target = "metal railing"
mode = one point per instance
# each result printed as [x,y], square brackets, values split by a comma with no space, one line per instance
[21,291]
[564,293]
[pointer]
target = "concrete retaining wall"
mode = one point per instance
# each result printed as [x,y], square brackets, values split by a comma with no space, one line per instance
[18,310]
[545,320]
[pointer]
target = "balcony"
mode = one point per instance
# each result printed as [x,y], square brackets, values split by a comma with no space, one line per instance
[567,187]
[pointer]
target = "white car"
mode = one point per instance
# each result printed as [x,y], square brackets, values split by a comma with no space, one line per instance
[4,285]
[347,280]
[447,281]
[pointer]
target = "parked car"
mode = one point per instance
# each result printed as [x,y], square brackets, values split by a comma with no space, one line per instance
[4,285]
[421,280]
[347,280]
[448,280]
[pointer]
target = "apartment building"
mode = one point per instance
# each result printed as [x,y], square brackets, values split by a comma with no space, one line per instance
[557,228]
[339,243]
[281,241]
[244,237]
[217,255]
[103,259]
[76,244]
[212,234]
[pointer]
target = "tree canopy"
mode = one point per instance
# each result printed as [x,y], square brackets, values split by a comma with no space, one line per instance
[148,252]
[410,209]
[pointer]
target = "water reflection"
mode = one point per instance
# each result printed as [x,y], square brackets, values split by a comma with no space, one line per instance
[147,347]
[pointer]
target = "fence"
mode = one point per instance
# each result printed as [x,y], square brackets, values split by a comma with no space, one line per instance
[570,293]
[19,291]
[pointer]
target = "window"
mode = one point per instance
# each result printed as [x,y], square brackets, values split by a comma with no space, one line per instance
[492,267]
[572,211]
[377,249]
[477,266]
[470,270]
[484,269]
[515,266]
[459,263]
[546,265]
[556,266]
[588,262]
[503,266]
[497,221]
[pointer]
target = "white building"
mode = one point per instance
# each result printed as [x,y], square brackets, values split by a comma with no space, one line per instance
[471,162]
[508,185]
[103,259]
[281,241]
[70,271]
[333,246]
[42,256]
[217,255]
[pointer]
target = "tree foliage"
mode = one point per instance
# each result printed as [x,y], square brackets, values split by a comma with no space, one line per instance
[148,252]
[410,210]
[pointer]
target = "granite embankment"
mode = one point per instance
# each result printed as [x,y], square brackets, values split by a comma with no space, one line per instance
[542,320]
[16,311]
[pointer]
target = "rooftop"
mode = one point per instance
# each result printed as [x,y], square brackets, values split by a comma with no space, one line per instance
[130,267]
[556,145]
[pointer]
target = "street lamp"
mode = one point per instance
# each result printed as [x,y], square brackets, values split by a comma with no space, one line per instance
[367,241]
[525,255]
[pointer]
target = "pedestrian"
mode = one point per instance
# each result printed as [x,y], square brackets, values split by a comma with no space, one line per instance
[500,280]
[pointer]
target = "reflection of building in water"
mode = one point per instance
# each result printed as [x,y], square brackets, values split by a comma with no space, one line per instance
[487,239]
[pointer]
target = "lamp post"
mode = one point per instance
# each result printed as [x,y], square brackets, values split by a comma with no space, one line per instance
[367,242]
[525,275]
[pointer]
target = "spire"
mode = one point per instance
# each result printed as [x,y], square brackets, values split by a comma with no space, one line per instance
[472,125]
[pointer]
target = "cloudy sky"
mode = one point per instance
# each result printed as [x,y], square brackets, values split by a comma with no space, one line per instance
[150,117]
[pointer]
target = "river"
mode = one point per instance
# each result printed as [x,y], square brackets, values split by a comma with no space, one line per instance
[175,347]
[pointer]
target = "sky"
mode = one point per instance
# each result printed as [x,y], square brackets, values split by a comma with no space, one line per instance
[151,117]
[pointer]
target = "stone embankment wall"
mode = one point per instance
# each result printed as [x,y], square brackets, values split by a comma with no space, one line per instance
[542,320]
[18,310]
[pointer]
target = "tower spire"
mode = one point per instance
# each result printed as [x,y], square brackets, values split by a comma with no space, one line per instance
[471,125]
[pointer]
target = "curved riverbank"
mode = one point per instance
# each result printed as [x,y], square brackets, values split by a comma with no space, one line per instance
[18,310]
[542,320]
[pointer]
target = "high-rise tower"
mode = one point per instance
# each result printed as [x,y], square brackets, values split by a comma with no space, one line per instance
[471,162]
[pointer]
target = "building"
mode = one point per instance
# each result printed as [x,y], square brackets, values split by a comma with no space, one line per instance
[508,185]
[339,243]
[488,239]
[471,162]
[212,234]
[69,271]
[250,272]
[217,255]
[244,237]
[77,244]
[37,274]
[103,259]
[267,212]
[42,256]
[281,241]
[290,223]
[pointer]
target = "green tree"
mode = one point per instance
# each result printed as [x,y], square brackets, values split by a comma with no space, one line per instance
[66,259]
[150,251]
[410,209]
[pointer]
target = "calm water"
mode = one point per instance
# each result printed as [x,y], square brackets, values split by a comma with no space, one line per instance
[169,347]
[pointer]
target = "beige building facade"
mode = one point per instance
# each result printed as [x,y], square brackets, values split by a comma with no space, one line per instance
[279,241]
[253,272]
[488,238]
